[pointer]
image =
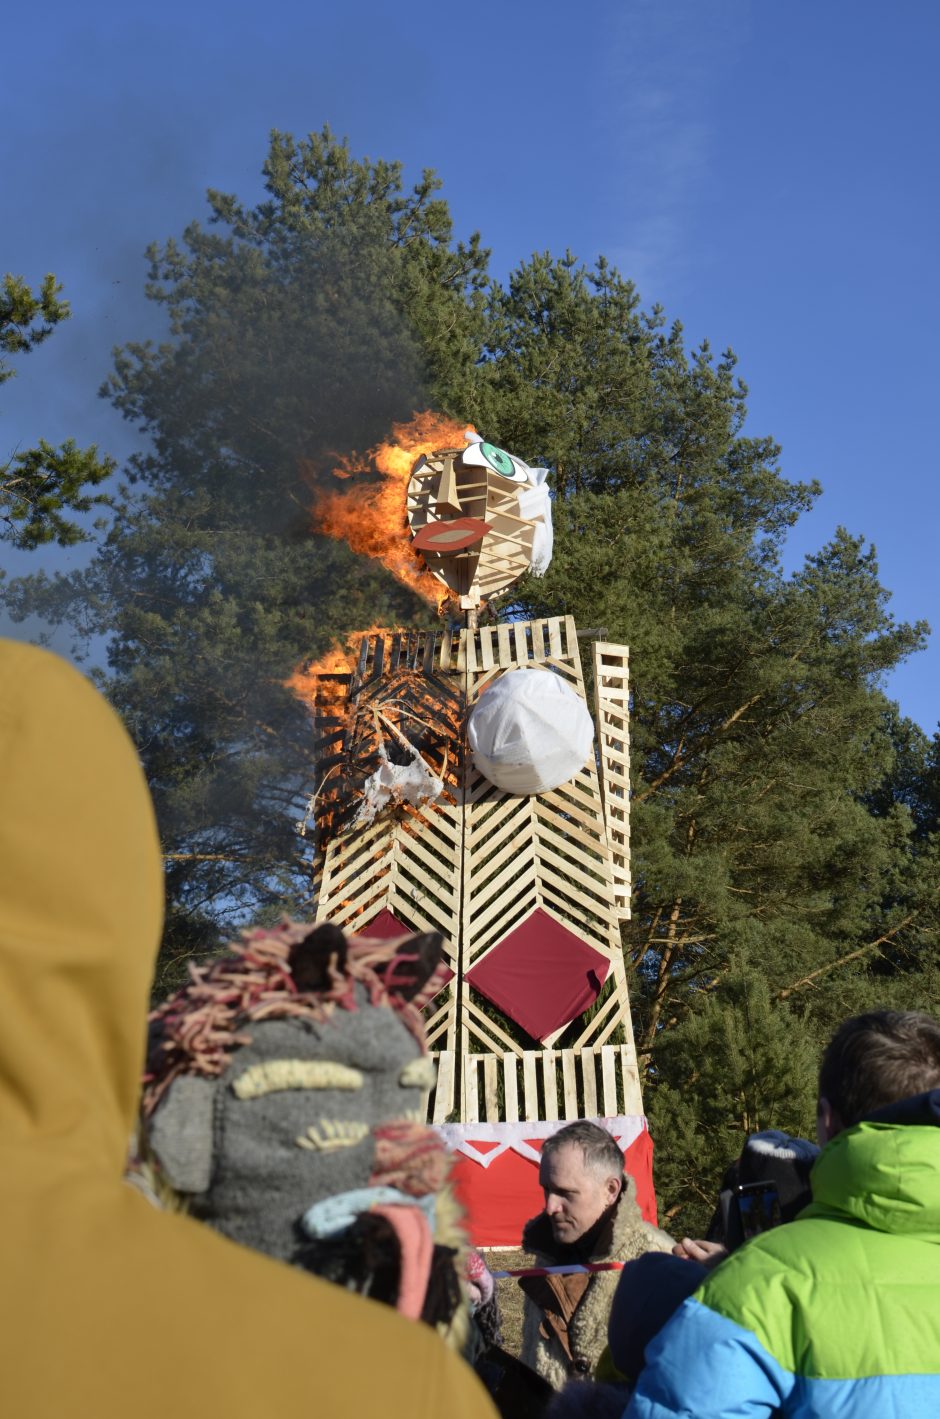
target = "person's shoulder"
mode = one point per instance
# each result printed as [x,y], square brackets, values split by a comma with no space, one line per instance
[769,1282]
[220,1313]
[657,1239]
[787,1250]
[631,1235]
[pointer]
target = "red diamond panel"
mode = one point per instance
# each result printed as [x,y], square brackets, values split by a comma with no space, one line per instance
[541,975]
[386,926]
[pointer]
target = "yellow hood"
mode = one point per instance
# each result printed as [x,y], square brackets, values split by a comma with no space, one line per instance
[81,906]
[109,1307]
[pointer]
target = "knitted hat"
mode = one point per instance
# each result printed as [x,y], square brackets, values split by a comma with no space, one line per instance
[768,1157]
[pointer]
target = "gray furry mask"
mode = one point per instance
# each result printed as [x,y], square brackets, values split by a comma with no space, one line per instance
[273,1077]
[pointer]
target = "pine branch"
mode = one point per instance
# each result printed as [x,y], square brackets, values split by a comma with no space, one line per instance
[844,960]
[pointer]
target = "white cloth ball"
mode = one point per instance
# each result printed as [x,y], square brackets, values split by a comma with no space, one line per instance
[529,732]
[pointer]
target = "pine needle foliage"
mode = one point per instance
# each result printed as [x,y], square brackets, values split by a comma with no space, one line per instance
[785,815]
[38,486]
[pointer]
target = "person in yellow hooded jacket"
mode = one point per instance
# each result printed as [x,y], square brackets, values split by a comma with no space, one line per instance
[108,1306]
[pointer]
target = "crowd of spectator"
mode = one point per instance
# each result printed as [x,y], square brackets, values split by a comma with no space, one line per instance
[815,1291]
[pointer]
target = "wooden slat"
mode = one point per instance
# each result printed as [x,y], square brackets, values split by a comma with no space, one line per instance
[563,903]
[564,900]
[570,1081]
[614,1022]
[488,819]
[498,829]
[609,1075]
[505,907]
[429,648]
[632,1094]
[471,1103]
[363,661]
[439,1014]
[549,1084]
[440,820]
[417,844]
[444,1095]
[580,809]
[588,1080]
[439,1036]
[477,1015]
[500,926]
[512,877]
[571,639]
[506,839]
[610,1014]
[491,1088]
[440,917]
[343,867]
[487,658]
[577,844]
[530,1084]
[612,711]
[347,846]
[521,642]
[510,1090]
[554,638]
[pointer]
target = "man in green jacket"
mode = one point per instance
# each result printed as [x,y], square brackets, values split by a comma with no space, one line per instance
[838,1312]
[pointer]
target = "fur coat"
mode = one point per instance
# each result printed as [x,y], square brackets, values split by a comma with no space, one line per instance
[565,1318]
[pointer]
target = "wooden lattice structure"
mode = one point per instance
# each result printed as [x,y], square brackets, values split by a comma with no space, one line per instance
[480,571]
[482,866]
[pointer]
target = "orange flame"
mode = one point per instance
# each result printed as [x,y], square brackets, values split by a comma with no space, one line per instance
[371,516]
[340,659]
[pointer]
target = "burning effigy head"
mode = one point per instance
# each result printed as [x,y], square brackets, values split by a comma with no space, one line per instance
[480,518]
[284,1098]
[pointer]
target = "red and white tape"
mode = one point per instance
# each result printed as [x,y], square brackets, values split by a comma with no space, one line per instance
[572,1269]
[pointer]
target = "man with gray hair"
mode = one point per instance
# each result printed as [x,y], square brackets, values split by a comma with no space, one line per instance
[590,1215]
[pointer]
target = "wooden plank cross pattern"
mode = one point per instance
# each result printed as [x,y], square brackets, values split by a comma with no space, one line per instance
[476,863]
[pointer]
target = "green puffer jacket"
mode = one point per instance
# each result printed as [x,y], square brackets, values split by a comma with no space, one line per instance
[837,1313]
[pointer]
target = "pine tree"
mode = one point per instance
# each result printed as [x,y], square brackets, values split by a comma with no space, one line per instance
[784,818]
[738,1064]
[39,484]
[759,730]
[299,330]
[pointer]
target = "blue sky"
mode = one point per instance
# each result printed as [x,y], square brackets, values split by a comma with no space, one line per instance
[764,169]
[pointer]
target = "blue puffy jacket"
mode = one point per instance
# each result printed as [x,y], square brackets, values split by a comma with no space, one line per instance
[837,1313]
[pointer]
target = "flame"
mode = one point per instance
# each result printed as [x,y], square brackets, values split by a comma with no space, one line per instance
[341,659]
[371,516]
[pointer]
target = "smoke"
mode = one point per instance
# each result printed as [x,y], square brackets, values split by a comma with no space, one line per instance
[291,346]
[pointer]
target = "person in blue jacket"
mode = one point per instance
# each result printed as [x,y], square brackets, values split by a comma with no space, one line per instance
[838,1312]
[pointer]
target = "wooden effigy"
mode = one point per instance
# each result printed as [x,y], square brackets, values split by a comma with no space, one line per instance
[528,891]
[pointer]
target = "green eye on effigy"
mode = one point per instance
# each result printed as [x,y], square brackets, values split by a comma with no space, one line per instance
[498,459]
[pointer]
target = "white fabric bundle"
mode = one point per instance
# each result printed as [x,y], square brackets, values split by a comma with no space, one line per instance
[392,784]
[529,732]
[535,504]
